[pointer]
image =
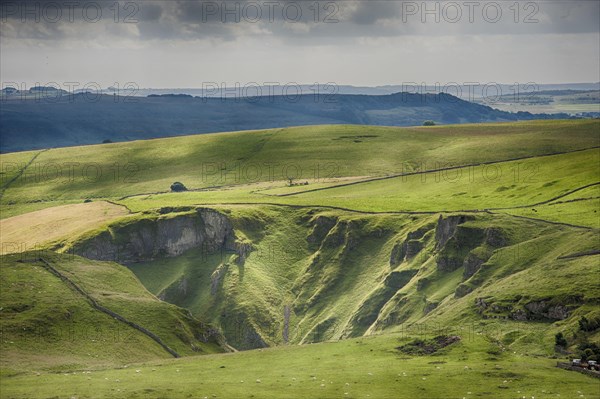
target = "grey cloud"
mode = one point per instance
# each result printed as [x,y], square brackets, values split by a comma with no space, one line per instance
[368,13]
[150,11]
[196,19]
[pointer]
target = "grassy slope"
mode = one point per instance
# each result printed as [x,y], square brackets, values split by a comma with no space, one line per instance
[46,324]
[579,208]
[358,368]
[321,152]
[503,185]
[40,228]
[500,185]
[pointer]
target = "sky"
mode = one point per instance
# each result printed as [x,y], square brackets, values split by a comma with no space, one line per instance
[194,44]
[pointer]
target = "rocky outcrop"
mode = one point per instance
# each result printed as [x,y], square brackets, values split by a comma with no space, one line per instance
[481,304]
[409,248]
[472,264]
[413,247]
[446,227]
[494,237]
[242,249]
[138,240]
[548,311]
[398,254]
[539,310]
[397,280]
[462,290]
[488,308]
[456,248]
[422,283]
[322,225]
[216,277]
[430,306]
[285,334]
[336,236]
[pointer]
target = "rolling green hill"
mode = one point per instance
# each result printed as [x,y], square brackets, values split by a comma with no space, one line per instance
[382,236]
[47,323]
[36,121]
[316,153]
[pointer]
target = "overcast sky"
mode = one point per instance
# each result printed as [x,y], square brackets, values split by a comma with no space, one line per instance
[170,44]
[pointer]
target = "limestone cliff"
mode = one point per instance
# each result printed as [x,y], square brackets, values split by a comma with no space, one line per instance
[169,235]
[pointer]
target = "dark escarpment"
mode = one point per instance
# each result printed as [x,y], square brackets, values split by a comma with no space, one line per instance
[165,235]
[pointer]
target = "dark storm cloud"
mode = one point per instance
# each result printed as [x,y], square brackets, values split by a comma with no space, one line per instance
[368,13]
[65,11]
[294,21]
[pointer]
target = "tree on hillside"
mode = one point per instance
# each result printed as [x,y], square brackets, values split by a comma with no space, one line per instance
[560,340]
[429,123]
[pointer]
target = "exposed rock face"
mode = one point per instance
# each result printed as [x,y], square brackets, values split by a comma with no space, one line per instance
[534,310]
[336,236]
[242,249]
[456,248]
[471,264]
[494,237]
[446,264]
[285,334]
[520,315]
[481,304]
[398,254]
[462,290]
[163,236]
[429,307]
[422,283]
[397,280]
[216,277]
[545,310]
[409,248]
[446,227]
[413,247]
[321,227]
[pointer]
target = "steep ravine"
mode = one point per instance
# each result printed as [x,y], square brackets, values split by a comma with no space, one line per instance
[341,275]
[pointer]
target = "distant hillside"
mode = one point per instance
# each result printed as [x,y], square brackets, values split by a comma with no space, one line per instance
[33,123]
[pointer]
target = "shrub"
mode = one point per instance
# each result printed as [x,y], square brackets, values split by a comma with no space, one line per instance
[178,187]
[588,325]
[429,123]
[560,340]
[589,351]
